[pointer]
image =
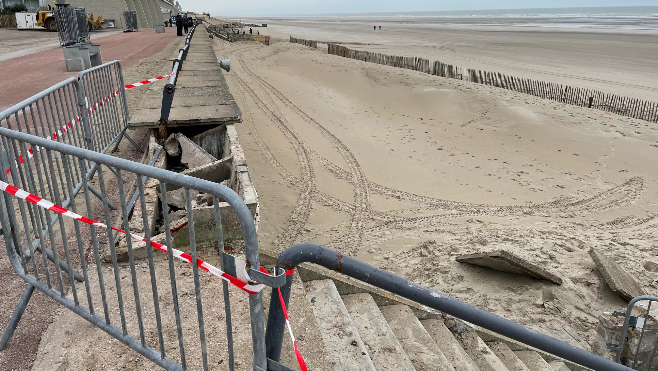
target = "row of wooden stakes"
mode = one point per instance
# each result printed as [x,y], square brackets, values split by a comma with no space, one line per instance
[309,43]
[629,107]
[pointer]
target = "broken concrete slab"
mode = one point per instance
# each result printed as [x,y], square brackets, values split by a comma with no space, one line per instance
[176,198]
[217,172]
[616,277]
[172,146]
[193,156]
[186,116]
[504,261]
[213,141]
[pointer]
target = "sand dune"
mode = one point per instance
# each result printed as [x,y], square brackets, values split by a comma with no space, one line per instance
[407,171]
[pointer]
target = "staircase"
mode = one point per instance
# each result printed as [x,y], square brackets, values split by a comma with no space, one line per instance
[358,335]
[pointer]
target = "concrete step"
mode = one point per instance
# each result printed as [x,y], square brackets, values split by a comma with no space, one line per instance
[533,360]
[475,347]
[449,345]
[341,339]
[558,366]
[382,345]
[424,354]
[507,356]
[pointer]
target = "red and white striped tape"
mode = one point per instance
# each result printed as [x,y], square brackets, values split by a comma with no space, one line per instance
[245,286]
[146,82]
[251,289]
[298,354]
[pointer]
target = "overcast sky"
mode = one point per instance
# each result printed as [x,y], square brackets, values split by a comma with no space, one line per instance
[279,7]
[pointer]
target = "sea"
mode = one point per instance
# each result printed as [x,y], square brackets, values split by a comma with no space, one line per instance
[625,17]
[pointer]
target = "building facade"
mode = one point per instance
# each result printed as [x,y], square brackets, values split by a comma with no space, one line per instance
[149,12]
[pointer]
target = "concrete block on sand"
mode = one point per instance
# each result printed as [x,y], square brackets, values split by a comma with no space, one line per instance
[341,338]
[507,356]
[533,360]
[383,347]
[450,347]
[507,262]
[475,347]
[417,343]
[559,366]
[616,277]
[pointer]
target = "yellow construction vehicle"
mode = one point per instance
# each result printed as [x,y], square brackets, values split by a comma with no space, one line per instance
[96,24]
[46,19]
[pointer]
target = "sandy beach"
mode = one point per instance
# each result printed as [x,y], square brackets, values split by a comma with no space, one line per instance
[619,60]
[408,171]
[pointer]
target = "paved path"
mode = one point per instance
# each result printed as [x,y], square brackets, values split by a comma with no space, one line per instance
[18,43]
[202,96]
[27,75]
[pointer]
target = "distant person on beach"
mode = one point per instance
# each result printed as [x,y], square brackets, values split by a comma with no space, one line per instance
[375,28]
[251,32]
[185,24]
[380,28]
[179,25]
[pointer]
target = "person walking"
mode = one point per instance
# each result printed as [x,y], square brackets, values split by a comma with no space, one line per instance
[251,32]
[185,24]
[179,25]
[374,28]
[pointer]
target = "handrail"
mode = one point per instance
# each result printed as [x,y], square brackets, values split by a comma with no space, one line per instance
[320,255]
[170,87]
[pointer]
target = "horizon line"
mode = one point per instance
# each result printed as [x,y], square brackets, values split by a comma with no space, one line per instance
[443,11]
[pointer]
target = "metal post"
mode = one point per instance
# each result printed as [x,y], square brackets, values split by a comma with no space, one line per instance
[276,320]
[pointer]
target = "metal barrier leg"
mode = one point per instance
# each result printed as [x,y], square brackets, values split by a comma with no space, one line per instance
[18,313]
[276,321]
[125,135]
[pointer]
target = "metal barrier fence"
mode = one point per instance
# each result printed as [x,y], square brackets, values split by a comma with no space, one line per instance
[320,255]
[640,353]
[106,106]
[147,305]
[88,112]
[72,25]
[130,21]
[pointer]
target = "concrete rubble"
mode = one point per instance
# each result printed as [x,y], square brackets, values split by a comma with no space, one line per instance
[505,261]
[616,277]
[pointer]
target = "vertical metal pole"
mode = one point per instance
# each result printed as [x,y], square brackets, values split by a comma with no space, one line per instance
[276,320]
[227,299]
[89,144]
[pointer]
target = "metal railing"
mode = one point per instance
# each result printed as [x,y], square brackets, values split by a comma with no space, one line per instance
[106,106]
[148,305]
[72,25]
[643,353]
[320,255]
[170,88]
[130,21]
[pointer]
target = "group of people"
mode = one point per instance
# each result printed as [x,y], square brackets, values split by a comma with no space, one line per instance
[183,23]
[375,28]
